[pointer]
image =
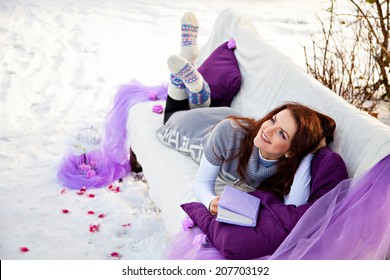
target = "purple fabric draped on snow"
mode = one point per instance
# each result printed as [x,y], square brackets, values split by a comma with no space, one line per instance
[113,160]
[350,222]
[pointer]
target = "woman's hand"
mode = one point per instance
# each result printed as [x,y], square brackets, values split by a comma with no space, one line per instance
[213,207]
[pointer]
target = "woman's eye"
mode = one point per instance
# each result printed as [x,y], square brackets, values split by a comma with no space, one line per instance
[273,120]
[282,134]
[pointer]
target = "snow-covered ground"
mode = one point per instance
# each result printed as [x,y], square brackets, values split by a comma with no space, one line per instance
[61,63]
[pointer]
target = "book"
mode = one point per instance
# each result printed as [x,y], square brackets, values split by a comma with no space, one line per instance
[238,208]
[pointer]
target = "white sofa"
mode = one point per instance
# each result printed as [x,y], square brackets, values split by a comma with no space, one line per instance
[269,78]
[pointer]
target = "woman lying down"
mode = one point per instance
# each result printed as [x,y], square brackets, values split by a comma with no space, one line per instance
[282,159]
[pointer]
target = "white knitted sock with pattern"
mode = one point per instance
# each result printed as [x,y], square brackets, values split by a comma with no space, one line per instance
[198,90]
[189,37]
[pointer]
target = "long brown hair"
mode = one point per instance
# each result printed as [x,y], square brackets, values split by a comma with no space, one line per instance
[312,127]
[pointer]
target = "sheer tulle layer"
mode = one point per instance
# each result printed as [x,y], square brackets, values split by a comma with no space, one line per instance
[350,222]
[114,155]
[183,247]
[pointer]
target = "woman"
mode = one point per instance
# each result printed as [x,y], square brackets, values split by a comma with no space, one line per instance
[262,154]
[261,157]
[270,157]
[250,154]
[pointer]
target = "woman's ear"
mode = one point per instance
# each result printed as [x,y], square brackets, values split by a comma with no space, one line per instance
[288,155]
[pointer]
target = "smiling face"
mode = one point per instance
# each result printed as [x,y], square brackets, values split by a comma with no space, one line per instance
[275,135]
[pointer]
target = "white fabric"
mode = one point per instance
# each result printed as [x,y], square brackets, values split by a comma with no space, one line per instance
[170,174]
[268,79]
[300,188]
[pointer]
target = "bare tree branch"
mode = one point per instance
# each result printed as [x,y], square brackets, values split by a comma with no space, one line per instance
[357,67]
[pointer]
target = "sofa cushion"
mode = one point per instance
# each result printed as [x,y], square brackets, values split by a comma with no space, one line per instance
[222,73]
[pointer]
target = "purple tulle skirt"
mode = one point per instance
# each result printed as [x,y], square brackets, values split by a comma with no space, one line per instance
[350,222]
[113,157]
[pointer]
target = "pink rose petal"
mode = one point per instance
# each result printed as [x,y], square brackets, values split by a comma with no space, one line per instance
[91,173]
[94,228]
[84,167]
[82,191]
[91,195]
[158,109]
[101,216]
[63,191]
[231,44]
[200,239]
[91,212]
[126,225]
[115,255]
[65,211]
[152,95]
[187,223]
[24,249]
[114,189]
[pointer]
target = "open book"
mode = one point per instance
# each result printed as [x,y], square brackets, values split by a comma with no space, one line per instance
[238,208]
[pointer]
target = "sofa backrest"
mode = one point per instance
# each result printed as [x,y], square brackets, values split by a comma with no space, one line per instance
[269,79]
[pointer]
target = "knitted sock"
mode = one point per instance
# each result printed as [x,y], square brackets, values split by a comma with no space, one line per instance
[189,50]
[177,89]
[189,34]
[198,90]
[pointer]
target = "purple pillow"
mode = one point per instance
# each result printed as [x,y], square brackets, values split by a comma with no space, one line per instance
[221,72]
[237,242]
[275,220]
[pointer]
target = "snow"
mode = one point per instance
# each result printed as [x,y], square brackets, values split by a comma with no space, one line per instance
[61,63]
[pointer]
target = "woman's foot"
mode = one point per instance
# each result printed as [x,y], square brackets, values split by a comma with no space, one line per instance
[197,88]
[189,37]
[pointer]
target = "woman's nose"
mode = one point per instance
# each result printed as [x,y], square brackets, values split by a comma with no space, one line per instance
[269,130]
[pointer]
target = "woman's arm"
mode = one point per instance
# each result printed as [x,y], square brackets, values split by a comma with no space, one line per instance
[300,188]
[205,182]
[216,146]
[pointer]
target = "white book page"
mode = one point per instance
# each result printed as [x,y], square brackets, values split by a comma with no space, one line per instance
[232,216]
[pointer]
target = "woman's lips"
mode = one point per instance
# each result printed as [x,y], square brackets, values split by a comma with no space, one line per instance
[264,138]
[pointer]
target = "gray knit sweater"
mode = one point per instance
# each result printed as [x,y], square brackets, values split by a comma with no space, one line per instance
[206,131]
[222,143]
